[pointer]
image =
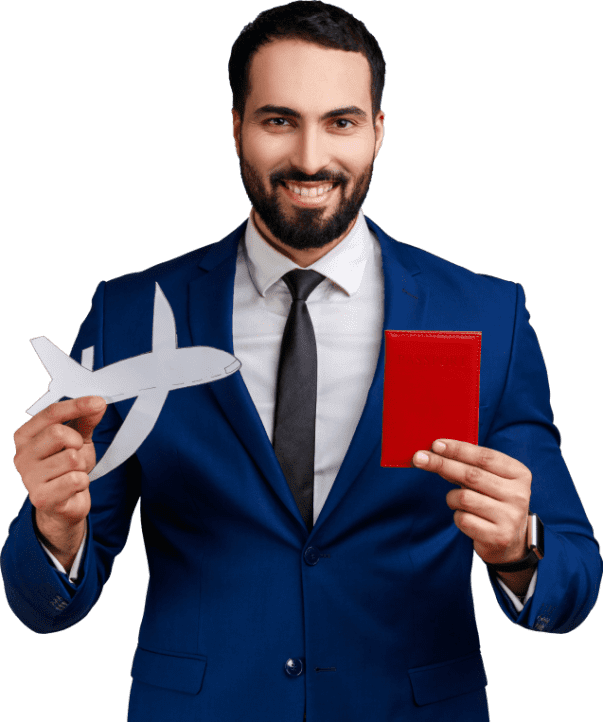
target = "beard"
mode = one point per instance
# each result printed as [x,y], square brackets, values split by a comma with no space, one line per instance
[304,228]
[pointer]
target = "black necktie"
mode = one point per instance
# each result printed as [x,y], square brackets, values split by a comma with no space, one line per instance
[295,408]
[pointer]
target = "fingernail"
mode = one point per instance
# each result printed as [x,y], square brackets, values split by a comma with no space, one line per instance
[438,446]
[96,403]
[421,458]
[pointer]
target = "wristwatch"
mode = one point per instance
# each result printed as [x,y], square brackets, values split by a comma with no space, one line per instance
[535,545]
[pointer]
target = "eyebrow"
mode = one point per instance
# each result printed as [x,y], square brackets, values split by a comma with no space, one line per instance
[283,110]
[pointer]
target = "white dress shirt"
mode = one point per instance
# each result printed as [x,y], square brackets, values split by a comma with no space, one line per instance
[347,315]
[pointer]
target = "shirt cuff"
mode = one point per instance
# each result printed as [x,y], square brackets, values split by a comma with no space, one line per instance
[73,572]
[513,597]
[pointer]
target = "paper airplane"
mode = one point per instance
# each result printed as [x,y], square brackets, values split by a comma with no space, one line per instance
[149,377]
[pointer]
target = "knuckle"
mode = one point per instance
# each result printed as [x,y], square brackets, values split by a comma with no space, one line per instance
[525,498]
[523,469]
[473,475]
[39,499]
[17,461]
[56,432]
[486,456]
[72,458]
[77,479]
[71,478]
[72,436]
[521,500]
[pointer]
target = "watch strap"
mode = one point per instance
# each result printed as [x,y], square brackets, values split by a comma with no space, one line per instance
[531,560]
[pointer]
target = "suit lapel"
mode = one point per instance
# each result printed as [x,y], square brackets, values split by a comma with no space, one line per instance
[405,305]
[210,316]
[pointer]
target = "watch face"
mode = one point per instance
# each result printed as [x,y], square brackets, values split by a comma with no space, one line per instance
[536,535]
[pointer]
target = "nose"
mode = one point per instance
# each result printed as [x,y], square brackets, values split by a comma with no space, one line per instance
[312,151]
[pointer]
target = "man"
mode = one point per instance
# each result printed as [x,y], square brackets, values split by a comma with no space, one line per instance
[290,139]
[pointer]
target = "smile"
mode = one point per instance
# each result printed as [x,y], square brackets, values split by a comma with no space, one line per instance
[308,195]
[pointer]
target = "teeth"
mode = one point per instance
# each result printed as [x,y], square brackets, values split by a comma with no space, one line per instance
[311,192]
[321,189]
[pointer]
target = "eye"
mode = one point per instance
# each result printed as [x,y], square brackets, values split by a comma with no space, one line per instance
[277,122]
[343,120]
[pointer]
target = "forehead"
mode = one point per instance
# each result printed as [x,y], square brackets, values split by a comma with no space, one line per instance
[308,77]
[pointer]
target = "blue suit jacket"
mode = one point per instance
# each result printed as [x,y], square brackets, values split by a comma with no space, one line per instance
[374,605]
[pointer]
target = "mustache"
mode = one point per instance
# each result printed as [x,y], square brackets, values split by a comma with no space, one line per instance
[294,175]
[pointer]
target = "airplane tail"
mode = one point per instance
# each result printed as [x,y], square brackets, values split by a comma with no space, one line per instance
[49,398]
[58,364]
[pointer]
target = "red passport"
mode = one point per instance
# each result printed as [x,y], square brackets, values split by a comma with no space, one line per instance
[431,391]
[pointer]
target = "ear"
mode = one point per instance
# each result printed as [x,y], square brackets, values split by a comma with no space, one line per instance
[236,130]
[379,131]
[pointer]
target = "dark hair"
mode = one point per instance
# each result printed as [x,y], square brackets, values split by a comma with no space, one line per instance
[316,22]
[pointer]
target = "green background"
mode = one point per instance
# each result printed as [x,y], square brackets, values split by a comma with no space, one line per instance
[117,153]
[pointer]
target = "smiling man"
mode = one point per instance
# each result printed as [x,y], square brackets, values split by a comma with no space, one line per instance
[307,148]
[291,576]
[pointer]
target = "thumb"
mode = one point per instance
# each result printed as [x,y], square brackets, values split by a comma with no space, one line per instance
[93,408]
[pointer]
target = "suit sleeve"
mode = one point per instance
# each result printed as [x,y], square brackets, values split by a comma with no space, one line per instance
[569,576]
[41,597]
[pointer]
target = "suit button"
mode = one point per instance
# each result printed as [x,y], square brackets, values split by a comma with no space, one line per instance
[294,667]
[311,556]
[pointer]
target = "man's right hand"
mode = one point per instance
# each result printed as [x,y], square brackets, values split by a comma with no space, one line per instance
[54,462]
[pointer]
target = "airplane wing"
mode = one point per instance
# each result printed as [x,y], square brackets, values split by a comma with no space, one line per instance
[164,323]
[136,427]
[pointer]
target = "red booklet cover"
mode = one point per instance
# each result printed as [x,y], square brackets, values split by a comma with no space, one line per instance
[431,391]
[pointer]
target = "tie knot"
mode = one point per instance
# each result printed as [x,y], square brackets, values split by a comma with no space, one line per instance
[302,282]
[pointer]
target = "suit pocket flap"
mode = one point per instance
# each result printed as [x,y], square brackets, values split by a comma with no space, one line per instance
[435,682]
[183,673]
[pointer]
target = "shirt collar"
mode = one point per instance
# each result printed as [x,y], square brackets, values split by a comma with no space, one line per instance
[344,265]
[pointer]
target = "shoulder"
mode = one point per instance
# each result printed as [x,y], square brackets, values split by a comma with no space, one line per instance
[447,281]
[175,274]
[450,277]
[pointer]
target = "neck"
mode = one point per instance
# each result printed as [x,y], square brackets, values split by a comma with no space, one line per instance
[303,258]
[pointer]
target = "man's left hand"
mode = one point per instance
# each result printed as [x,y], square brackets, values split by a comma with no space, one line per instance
[492,505]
